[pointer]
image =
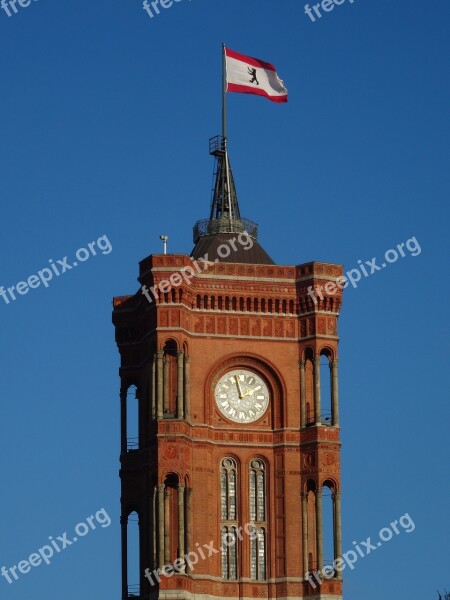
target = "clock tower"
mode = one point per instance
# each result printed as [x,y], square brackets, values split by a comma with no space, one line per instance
[230,441]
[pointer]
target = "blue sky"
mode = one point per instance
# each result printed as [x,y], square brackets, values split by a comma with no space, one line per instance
[105,119]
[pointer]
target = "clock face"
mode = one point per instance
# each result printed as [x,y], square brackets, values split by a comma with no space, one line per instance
[242,396]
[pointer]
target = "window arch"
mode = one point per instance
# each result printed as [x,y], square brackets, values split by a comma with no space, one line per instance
[229,517]
[257,498]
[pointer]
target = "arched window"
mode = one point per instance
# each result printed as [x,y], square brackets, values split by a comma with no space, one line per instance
[328,523]
[229,516]
[228,477]
[257,491]
[170,379]
[309,388]
[229,553]
[257,496]
[258,553]
[132,425]
[133,554]
[311,527]
[325,387]
[171,515]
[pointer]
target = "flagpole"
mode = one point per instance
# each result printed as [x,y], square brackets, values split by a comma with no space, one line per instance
[224,96]
[224,130]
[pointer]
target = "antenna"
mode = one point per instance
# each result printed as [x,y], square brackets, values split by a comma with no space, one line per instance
[164,239]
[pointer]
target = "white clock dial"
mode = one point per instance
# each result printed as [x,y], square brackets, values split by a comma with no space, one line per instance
[242,396]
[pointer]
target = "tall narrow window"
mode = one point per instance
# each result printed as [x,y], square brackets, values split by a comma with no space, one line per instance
[170,379]
[257,495]
[228,512]
[132,423]
[133,555]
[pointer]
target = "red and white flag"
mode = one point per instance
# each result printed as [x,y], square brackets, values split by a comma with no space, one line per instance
[249,75]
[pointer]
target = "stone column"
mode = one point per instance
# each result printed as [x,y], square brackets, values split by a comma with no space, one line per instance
[187,387]
[334,392]
[180,385]
[167,526]
[153,390]
[124,539]
[181,528]
[317,408]
[159,384]
[161,488]
[166,386]
[302,394]
[123,421]
[188,521]
[319,532]
[304,496]
[154,529]
[337,529]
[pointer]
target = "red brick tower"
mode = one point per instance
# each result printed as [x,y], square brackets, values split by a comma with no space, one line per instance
[237,442]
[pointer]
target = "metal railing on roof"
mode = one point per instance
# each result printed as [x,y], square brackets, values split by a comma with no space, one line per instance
[224,225]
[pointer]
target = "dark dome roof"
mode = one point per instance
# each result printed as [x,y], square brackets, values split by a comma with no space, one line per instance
[245,252]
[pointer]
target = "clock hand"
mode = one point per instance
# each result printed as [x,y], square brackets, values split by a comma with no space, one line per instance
[241,395]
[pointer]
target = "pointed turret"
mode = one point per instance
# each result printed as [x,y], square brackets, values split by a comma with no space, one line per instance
[225,220]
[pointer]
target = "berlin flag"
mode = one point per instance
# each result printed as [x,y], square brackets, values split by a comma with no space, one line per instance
[253,76]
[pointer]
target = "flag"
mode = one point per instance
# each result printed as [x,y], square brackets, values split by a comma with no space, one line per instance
[249,75]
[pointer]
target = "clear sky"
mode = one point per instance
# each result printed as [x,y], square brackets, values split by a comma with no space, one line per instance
[105,119]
